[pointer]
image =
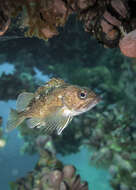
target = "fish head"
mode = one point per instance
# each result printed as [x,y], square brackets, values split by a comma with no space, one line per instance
[79,100]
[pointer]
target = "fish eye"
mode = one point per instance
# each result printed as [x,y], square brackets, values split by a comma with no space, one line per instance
[82,95]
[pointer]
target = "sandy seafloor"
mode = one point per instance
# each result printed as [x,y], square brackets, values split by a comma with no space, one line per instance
[14,165]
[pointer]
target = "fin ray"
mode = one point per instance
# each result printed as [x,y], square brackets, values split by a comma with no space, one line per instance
[23,100]
[13,120]
[56,122]
[35,122]
[59,130]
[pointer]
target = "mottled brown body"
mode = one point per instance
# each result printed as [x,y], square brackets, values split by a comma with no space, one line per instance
[43,105]
[52,106]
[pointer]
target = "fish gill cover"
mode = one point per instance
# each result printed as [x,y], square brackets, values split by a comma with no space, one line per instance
[108,130]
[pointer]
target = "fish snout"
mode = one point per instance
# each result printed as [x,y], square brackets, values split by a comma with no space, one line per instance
[97,99]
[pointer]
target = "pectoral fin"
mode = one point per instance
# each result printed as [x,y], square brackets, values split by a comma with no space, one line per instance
[63,125]
[35,122]
[23,100]
[56,122]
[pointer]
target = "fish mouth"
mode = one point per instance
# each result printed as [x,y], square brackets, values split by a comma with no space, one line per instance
[89,105]
[93,102]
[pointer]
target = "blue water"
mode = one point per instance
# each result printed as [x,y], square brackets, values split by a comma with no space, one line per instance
[13,165]
[6,68]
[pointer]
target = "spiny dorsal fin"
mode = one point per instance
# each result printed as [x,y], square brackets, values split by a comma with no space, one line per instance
[23,101]
[50,86]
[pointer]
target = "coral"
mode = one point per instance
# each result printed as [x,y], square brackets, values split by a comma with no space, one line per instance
[106,20]
[128,44]
[42,18]
[108,129]
[50,174]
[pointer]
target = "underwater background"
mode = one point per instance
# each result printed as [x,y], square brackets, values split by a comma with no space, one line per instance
[99,143]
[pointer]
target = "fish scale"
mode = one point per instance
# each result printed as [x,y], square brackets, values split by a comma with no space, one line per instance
[52,107]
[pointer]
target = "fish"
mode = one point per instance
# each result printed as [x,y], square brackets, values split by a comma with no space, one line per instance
[52,106]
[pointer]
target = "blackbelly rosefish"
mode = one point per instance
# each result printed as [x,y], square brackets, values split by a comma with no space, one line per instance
[52,106]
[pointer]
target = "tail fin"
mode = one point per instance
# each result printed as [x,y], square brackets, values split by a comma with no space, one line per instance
[14,120]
